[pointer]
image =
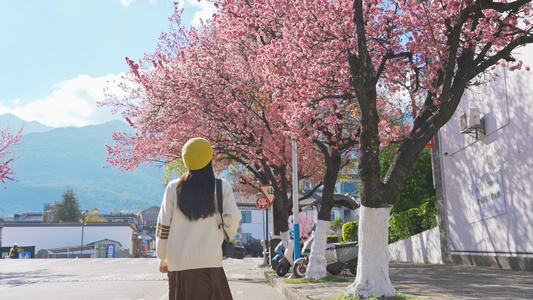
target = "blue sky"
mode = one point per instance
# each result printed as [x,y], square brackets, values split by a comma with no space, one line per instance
[58,55]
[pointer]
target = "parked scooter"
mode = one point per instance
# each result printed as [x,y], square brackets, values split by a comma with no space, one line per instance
[347,254]
[300,265]
[286,262]
[279,251]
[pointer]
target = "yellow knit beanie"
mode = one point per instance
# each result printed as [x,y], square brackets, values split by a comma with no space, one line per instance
[197,153]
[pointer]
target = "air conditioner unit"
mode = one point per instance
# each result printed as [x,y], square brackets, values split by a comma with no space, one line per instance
[470,120]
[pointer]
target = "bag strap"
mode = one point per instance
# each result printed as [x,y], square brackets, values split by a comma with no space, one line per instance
[218,184]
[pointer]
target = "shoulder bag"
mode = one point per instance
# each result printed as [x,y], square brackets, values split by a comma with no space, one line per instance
[228,248]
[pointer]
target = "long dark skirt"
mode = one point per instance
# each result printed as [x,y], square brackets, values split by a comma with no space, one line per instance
[199,284]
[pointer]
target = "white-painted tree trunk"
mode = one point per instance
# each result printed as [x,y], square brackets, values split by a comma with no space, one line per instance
[285,237]
[317,259]
[372,279]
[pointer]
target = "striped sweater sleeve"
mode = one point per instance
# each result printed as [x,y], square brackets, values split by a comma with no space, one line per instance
[232,216]
[163,223]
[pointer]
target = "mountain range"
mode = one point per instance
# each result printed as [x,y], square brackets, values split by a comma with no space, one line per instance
[53,160]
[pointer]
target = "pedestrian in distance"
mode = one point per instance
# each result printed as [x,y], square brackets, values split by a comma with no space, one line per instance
[14,251]
[188,235]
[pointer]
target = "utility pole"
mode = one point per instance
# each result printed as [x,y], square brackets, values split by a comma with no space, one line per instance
[295,206]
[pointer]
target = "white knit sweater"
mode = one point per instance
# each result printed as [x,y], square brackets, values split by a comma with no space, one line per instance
[182,244]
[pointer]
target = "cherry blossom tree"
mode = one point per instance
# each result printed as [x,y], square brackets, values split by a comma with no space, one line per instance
[201,83]
[430,51]
[426,52]
[306,224]
[8,144]
[304,60]
[245,68]
[334,74]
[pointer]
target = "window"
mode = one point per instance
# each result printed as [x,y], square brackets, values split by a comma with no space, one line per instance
[246,217]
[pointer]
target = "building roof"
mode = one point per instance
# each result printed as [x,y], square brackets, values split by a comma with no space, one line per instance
[64,224]
[314,200]
[71,249]
[338,200]
[104,240]
[77,248]
[245,201]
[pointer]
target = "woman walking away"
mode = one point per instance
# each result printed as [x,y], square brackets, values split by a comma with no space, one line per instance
[189,238]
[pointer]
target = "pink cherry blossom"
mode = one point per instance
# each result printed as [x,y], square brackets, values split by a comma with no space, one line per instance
[8,143]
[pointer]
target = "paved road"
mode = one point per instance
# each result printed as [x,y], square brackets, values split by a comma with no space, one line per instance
[428,282]
[138,278]
[461,282]
[246,282]
[113,279]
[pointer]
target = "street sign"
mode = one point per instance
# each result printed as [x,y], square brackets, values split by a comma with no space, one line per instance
[110,249]
[261,202]
[431,143]
[268,191]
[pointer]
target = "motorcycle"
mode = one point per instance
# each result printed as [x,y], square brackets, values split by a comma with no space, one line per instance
[279,255]
[300,265]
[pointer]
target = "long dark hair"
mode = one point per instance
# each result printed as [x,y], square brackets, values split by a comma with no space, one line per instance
[196,193]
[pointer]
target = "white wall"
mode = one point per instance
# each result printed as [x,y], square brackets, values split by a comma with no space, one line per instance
[421,248]
[47,237]
[507,105]
[256,227]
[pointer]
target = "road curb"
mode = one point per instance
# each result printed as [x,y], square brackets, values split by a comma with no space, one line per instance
[283,288]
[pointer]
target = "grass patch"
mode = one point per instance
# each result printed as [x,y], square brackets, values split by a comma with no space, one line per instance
[328,278]
[397,297]
[266,268]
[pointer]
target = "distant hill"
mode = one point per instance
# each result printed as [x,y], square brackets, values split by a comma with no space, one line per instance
[15,123]
[52,161]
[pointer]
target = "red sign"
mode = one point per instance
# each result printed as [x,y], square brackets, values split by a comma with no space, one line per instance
[431,143]
[262,202]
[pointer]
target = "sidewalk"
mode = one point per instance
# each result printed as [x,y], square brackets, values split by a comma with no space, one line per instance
[424,281]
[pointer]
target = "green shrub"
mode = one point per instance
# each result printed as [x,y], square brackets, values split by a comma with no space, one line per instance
[413,221]
[332,239]
[336,224]
[349,232]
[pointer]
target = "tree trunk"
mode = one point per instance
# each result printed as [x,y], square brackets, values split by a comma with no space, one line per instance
[285,238]
[372,279]
[317,259]
[280,209]
[281,216]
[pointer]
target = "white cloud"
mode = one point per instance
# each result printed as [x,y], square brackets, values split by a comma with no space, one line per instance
[73,103]
[126,3]
[6,109]
[207,9]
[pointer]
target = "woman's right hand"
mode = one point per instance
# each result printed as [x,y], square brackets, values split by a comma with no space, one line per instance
[163,269]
